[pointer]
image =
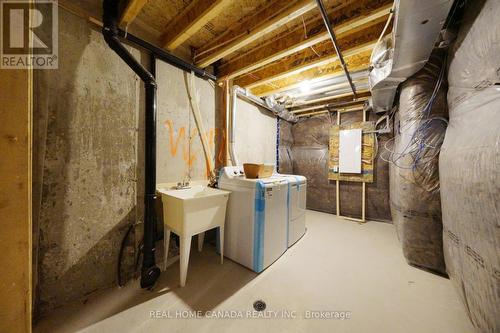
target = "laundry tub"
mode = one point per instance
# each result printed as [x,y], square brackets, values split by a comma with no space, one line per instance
[191,211]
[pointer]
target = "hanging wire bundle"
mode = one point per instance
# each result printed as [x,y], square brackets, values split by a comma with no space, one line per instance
[420,154]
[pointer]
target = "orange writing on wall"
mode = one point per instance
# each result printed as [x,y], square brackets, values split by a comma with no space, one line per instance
[177,139]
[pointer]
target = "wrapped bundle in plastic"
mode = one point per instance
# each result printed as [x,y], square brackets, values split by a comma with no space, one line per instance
[420,125]
[469,165]
[285,147]
[310,159]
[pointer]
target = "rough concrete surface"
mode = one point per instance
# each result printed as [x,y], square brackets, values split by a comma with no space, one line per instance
[87,143]
[363,272]
[180,152]
[88,165]
[255,134]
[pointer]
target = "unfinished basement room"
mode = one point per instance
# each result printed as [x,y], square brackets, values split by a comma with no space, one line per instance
[250,166]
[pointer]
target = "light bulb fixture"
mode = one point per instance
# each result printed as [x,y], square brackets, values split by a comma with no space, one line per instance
[305,86]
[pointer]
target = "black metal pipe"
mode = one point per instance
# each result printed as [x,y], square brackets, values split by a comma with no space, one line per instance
[328,25]
[167,57]
[150,272]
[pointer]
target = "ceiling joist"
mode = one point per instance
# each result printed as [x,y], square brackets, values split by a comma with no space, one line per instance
[355,62]
[295,41]
[131,11]
[329,88]
[335,101]
[322,106]
[267,26]
[194,17]
[286,69]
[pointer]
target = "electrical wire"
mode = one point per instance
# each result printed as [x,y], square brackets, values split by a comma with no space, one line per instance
[420,153]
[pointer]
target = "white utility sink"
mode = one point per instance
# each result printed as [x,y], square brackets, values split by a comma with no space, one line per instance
[191,211]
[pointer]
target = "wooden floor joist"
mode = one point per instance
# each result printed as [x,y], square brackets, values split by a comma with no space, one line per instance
[131,11]
[294,11]
[286,70]
[323,54]
[350,109]
[194,17]
[331,103]
[295,41]
[328,88]
[329,71]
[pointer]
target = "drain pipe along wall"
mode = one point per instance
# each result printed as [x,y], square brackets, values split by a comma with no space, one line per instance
[150,272]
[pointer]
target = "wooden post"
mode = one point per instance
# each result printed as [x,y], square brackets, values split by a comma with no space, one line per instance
[16,103]
[222,93]
[337,192]
[363,186]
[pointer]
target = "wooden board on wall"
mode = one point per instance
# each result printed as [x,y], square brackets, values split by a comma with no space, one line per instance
[367,153]
[15,200]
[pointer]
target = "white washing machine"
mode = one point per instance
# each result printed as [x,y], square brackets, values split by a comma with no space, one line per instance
[297,189]
[255,232]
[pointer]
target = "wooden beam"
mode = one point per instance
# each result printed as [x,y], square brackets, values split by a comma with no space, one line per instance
[322,54]
[336,101]
[333,97]
[191,20]
[327,88]
[241,27]
[131,11]
[16,108]
[351,109]
[295,42]
[223,104]
[291,84]
[274,22]
[329,105]
[286,70]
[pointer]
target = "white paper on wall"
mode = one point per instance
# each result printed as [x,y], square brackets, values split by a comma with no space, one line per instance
[350,151]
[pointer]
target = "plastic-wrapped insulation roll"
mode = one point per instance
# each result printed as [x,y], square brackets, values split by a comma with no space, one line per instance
[469,165]
[420,124]
[285,147]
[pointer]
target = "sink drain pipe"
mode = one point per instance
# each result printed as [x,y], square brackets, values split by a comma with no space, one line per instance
[150,272]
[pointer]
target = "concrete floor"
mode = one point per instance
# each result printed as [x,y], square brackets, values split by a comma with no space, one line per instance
[337,266]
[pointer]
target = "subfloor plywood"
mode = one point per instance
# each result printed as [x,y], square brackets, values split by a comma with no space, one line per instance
[364,272]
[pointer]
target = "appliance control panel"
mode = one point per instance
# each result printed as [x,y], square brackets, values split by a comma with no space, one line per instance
[233,172]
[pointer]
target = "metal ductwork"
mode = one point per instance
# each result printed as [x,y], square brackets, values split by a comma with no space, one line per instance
[416,30]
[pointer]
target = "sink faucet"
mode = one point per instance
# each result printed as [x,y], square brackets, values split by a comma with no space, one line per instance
[184,184]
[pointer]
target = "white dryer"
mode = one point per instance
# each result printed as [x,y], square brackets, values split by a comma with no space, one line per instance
[255,232]
[297,189]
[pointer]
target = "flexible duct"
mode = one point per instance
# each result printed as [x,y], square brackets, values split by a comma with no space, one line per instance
[414,182]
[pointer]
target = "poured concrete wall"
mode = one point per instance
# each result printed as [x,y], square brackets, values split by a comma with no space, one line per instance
[87,114]
[88,160]
[255,134]
[179,149]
